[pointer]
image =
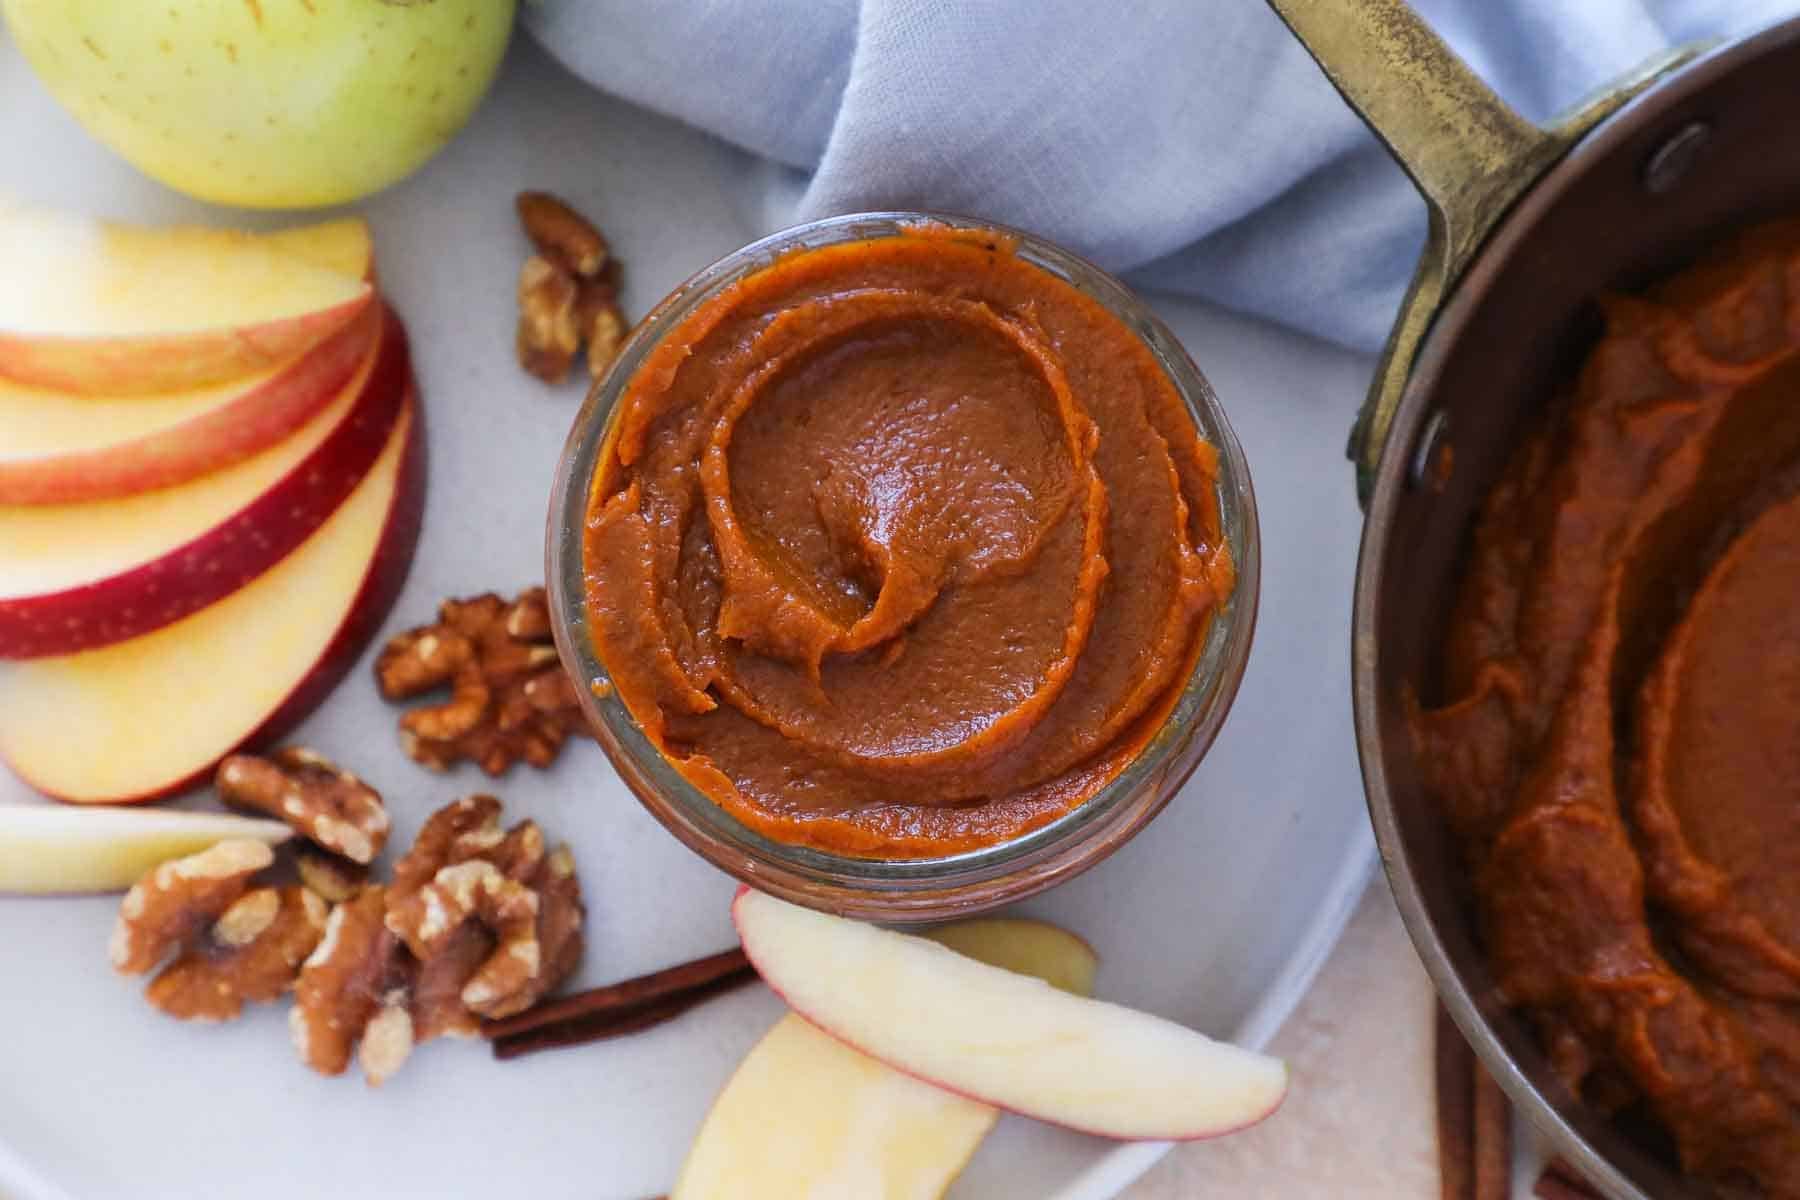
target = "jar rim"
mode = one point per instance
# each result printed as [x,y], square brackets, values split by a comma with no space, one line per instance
[900,889]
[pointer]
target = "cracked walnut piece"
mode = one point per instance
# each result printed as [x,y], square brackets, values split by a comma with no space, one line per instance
[232,944]
[561,234]
[503,983]
[179,899]
[549,336]
[568,292]
[332,877]
[463,873]
[510,698]
[252,953]
[344,982]
[328,805]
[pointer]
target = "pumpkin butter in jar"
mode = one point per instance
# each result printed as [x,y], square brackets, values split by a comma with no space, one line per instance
[902,546]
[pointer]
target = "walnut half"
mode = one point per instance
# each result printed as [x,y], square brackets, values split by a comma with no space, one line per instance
[233,944]
[179,899]
[251,954]
[509,697]
[328,805]
[568,292]
[343,983]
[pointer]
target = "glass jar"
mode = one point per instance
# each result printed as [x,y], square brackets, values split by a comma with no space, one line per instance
[914,889]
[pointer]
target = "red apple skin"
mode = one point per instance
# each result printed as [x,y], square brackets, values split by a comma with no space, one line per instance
[381,586]
[244,425]
[382,582]
[166,362]
[228,555]
[1196,1136]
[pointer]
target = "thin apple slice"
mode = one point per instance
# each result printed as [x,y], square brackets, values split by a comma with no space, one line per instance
[805,1115]
[146,717]
[1004,1038]
[51,848]
[344,245]
[84,575]
[92,307]
[1026,947]
[70,448]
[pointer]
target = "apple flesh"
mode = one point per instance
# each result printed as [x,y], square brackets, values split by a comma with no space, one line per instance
[1004,1038]
[270,104]
[51,848]
[145,717]
[92,307]
[1025,947]
[806,1115]
[67,448]
[344,245]
[85,575]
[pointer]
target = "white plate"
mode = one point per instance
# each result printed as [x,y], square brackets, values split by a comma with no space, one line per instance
[1218,916]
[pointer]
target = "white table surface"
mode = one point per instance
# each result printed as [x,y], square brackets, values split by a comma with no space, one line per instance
[1360,1119]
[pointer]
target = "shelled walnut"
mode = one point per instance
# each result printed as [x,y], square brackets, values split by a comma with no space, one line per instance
[179,899]
[568,291]
[344,982]
[510,698]
[477,921]
[333,878]
[251,954]
[463,873]
[232,944]
[326,804]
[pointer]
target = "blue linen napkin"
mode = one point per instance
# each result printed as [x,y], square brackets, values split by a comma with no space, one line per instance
[1189,143]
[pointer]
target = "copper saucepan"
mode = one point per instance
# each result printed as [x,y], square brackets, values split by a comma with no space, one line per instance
[1527,225]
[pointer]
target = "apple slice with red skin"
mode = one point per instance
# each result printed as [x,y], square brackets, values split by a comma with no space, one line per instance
[1002,1038]
[68,448]
[154,558]
[806,1115]
[149,716]
[88,306]
[52,849]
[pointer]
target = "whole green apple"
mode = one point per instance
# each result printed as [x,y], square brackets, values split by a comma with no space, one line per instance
[267,103]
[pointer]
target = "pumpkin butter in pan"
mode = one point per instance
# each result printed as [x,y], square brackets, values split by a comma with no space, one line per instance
[1617,740]
[902,547]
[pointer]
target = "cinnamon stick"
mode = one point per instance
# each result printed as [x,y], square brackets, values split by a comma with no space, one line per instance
[1474,1122]
[619,1008]
[579,1031]
[1560,1182]
[629,993]
[1493,1139]
[1455,1081]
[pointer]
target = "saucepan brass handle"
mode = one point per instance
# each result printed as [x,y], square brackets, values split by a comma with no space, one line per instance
[1469,153]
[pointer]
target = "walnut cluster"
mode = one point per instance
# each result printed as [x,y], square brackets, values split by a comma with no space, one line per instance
[568,292]
[508,695]
[477,921]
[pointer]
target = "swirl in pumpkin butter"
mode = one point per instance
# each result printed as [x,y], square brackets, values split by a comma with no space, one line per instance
[902,547]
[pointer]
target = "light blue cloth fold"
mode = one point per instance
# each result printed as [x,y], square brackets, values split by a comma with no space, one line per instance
[1189,143]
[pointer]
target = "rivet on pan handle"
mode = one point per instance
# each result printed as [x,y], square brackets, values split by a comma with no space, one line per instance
[1469,153]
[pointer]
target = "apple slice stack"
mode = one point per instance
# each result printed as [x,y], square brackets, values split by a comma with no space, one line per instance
[211,476]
